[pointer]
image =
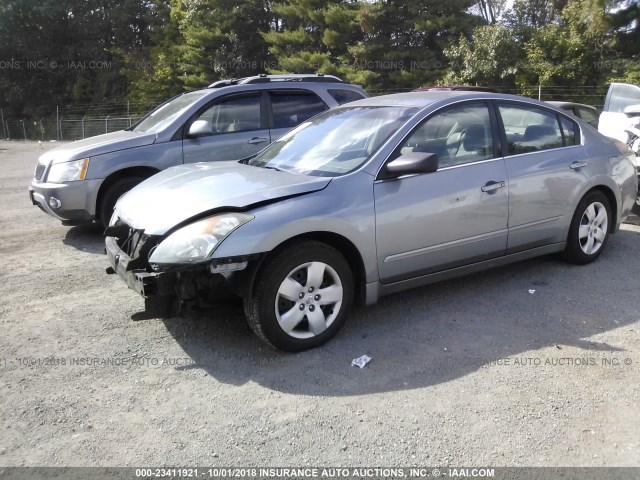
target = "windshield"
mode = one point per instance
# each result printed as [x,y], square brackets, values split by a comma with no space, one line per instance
[335,142]
[168,112]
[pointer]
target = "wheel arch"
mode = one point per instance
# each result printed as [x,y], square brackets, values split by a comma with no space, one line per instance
[613,203]
[342,244]
[139,171]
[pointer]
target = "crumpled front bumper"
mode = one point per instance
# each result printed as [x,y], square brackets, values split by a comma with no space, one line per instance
[147,284]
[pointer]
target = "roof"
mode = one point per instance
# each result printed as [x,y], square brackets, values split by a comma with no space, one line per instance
[427,97]
[571,104]
[264,78]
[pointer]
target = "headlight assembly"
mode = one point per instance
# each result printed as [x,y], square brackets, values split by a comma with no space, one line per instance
[68,171]
[197,241]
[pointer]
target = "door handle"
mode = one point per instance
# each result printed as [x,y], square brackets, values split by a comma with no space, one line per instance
[257,140]
[492,186]
[576,165]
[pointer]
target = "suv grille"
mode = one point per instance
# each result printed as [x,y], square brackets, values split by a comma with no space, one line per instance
[40,168]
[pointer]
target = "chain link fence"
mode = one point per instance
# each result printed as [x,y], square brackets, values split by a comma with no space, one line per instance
[82,121]
[73,122]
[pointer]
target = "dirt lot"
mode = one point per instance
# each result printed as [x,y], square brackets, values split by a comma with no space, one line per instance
[474,372]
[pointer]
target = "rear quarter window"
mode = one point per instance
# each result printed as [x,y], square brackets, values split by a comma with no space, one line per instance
[570,132]
[345,96]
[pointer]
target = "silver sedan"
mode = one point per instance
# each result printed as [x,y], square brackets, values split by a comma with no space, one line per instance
[371,198]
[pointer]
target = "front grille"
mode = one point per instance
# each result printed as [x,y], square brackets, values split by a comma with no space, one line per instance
[39,173]
[135,243]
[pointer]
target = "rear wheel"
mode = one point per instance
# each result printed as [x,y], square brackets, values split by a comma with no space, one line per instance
[589,229]
[301,297]
[636,207]
[111,196]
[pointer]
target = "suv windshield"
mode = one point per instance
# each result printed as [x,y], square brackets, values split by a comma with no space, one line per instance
[167,112]
[335,142]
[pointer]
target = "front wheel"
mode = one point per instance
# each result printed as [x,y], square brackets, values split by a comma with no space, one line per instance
[301,297]
[589,229]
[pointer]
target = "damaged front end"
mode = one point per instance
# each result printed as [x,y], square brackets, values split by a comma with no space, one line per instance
[169,288]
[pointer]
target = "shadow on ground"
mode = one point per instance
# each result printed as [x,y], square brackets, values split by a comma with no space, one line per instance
[86,238]
[432,334]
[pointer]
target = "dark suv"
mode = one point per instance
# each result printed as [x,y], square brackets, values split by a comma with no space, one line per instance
[229,120]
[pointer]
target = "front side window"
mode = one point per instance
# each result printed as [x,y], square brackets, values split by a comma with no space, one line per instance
[235,114]
[530,129]
[293,108]
[335,143]
[457,136]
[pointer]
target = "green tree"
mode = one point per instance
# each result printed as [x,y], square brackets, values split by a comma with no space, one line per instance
[573,51]
[313,36]
[491,57]
[222,39]
[152,71]
[65,51]
[405,41]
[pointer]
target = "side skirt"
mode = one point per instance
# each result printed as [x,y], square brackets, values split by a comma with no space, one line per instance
[375,290]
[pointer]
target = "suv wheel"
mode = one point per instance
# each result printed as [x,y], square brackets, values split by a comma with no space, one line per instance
[111,196]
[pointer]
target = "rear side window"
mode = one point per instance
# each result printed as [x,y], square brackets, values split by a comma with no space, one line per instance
[530,129]
[292,108]
[345,96]
[622,96]
[587,115]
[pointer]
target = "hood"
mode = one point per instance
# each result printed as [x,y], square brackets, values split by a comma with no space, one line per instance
[98,145]
[180,193]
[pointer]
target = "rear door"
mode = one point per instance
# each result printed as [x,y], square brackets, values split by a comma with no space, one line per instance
[546,166]
[239,124]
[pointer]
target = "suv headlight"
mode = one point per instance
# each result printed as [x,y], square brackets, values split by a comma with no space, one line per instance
[197,241]
[68,171]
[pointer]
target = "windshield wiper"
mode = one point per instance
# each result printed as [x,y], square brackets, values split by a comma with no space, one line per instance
[245,161]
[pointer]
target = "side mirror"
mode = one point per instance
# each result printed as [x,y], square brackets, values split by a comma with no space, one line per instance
[632,111]
[414,162]
[200,128]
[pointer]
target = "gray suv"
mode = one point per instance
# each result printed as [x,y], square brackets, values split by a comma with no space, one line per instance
[229,120]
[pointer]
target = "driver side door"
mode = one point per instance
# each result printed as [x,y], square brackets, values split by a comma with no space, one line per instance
[455,216]
[239,129]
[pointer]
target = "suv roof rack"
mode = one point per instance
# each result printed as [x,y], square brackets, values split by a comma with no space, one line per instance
[289,77]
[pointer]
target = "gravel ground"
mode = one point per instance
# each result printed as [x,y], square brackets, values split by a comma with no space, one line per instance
[475,371]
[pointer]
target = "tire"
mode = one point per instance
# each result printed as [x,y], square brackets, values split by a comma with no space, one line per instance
[589,229]
[286,308]
[636,206]
[111,196]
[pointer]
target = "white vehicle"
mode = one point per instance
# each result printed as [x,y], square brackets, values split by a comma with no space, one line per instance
[622,99]
[620,119]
